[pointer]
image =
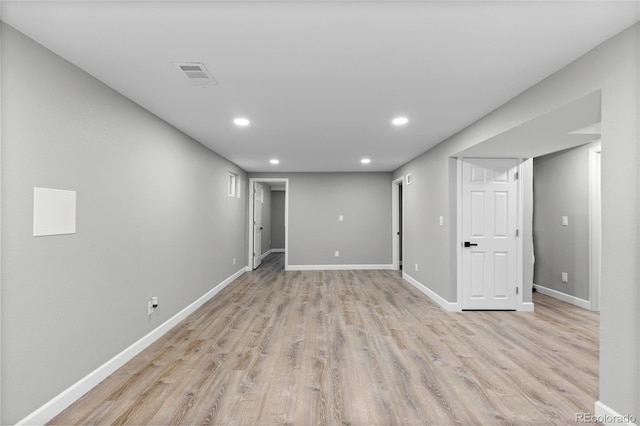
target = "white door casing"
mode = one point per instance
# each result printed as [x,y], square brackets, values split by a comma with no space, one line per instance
[250,226]
[595,228]
[258,199]
[489,226]
[397,201]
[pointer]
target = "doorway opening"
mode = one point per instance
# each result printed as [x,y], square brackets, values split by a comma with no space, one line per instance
[566,225]
[569,126]
[261,233]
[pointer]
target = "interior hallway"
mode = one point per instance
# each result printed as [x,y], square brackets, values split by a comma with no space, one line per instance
[353,347]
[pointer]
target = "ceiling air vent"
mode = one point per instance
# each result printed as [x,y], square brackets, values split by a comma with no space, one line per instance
[196,73]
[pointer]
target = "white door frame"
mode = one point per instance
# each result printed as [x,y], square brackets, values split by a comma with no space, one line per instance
[595,228]
[258,202]
[520,304]
[249,266]
[0,228]
[395,215]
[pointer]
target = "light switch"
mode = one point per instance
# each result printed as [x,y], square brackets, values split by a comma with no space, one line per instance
[565,220]
[341,218]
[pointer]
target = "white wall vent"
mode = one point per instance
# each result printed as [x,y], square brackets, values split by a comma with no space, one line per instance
[196,73]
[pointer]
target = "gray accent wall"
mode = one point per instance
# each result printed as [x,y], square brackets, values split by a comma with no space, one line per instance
[316,200]
[429,249]
[277,219]
[561,188]
[153,219]
[612,68]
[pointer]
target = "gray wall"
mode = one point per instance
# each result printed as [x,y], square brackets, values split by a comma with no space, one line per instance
[153,219]
[613,68]
[277,219]
[561,188]
[426,243]
[315,202]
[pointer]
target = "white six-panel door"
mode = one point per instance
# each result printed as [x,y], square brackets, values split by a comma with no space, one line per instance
[258,199]
[489,224]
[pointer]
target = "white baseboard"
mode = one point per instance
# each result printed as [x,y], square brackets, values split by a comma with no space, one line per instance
[67,397]
[278,250]
[265,254]
[525,307]
[585,304]
[337,267]
[445,304]
[608,416]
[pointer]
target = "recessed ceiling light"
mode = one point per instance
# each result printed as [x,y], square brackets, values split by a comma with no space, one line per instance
[399,121]
[240,121]
[274,161]
[365,160]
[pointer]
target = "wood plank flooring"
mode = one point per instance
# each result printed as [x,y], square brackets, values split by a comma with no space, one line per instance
[352,348]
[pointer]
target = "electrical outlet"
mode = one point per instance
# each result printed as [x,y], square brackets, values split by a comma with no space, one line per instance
[152,305]
[565,277]
[337,253]
[441,220]
[416,266]
[341,218]
[565,220]
[234,260]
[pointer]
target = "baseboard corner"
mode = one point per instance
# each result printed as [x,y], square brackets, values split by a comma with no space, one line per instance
[443,303]
[526,307]
[606,415]
[567,298]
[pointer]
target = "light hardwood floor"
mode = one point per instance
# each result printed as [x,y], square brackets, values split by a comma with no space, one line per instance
[353,347]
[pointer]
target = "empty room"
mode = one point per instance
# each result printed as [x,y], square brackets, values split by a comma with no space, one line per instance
[319,212]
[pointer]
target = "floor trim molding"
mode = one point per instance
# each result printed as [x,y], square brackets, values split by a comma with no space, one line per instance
[526,307]
[608,416]
[67,397]
[265,254]
[581,303]
[444,304]
[338,267]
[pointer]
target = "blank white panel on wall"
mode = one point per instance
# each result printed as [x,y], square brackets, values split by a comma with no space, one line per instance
[54,212]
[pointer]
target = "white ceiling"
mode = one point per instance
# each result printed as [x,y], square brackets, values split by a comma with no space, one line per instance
[321,80]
